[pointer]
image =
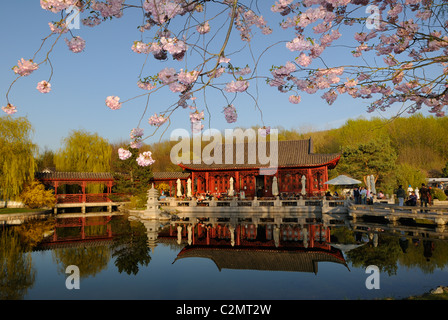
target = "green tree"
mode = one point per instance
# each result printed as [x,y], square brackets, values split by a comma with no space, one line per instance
[130,178]
[376,157]
[17,151]
[84,152]
[35,196]
[45,160]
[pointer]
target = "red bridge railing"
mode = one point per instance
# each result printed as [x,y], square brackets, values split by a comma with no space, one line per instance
[90,197]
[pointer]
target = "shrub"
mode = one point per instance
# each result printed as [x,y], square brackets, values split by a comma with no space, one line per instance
[438,194]
[35,196]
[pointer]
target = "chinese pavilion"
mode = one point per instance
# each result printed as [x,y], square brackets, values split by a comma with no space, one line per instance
[296,160]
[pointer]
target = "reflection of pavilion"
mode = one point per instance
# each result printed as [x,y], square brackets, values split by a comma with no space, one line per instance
[73,231]
[285,247]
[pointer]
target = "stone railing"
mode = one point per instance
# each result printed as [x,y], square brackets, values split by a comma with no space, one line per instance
[324,203]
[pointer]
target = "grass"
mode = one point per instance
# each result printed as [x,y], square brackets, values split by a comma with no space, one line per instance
[18,210]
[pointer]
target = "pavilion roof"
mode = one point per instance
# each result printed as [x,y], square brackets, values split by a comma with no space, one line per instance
[170,175]
[291,153]
[272,259]
[74,176]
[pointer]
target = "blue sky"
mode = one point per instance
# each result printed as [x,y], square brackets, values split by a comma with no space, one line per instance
[81,82]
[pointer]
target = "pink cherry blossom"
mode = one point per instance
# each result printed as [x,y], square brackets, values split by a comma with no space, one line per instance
[44,87]
[303,60]
[237,86]
[187,77]
[230,114]
[124,154]
[113,102]
[203,28]
[295,99]
[76,44]
[145,159]
[25,67]
[136,133]
[145,85]
[167,75]
[9,109]
[157,120]
[264,131]
[58,27]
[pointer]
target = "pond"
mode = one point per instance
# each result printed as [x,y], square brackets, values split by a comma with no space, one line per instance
[218,258]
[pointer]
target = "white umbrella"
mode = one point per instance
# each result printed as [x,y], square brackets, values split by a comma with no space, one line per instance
[179,190]
[189,188]
[274,186]
[343,180]
[231,191]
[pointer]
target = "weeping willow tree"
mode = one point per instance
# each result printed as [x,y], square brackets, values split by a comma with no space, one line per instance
[84,152]
[17,164]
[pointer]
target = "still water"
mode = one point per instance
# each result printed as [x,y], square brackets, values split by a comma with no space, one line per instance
[202,258]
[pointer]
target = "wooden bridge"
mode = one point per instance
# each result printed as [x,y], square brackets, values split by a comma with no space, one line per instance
[83,201]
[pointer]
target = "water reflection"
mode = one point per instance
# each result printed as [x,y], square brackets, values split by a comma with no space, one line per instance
[286,244]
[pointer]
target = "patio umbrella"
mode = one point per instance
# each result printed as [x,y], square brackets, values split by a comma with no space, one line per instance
[343,180]
[274,186]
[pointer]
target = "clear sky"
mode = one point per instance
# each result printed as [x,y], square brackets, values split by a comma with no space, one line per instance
[81,82]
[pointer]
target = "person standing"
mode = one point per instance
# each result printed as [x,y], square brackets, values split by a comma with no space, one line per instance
[424,195]
[401,194]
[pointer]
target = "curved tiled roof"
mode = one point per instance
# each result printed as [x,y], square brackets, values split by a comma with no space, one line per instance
[291,153]
[170,175]
[74,175]
[271,259]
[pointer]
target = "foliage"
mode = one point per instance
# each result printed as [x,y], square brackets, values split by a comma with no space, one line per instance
[406,174]
[438,194]
[45,160]
[35,196]
[375,157]
[17,274]
[163,187]
[130,178]
[17,164]
[130,248]
[84,152]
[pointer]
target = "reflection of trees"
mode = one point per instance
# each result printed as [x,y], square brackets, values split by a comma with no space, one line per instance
[426,254]
[130,249]
[16,270]
[384,256]
[89,260]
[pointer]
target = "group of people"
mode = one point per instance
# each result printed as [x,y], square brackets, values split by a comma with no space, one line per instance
[411,196]
[362,195]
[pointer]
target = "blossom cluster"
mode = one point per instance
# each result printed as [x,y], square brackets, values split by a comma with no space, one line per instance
[44,87]
[157,120]
[145,159]
[76,44]
[230,114]
[25,67]
[9,109]
[113,102]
